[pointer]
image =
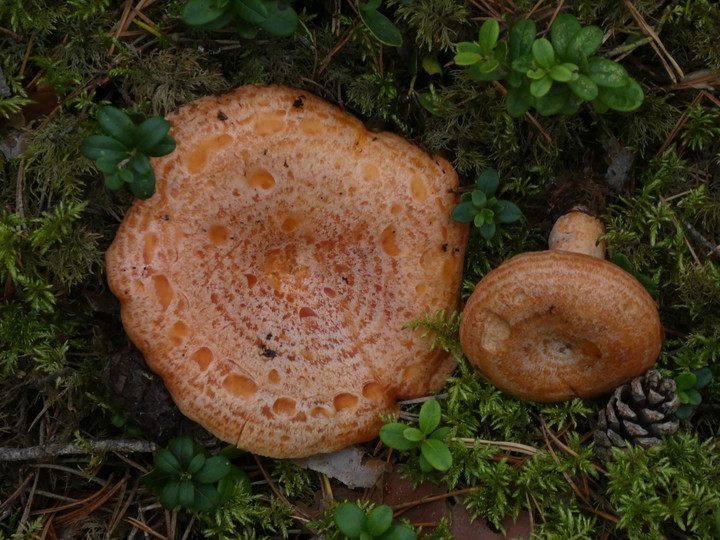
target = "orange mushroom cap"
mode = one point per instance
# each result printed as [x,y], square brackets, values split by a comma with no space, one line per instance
[554,325]
[268,278]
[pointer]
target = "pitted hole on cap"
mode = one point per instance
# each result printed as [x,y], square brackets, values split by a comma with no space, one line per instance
[494,332]
[373,391]
[163,290]
[203,357]
[257,177]
[345,401]
[239,385]
[178,332]
[219,234]
[284,406]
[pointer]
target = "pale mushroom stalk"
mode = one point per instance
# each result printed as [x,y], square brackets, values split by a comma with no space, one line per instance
[561,323]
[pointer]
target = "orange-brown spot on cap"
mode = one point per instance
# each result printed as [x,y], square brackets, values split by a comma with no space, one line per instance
[163,290]
[311,126]
[274,376]
[240,386]
[345,401]
[284,406]
[150,241]
[258,177]
[387,240]
[307,312]
[321,412]
[178,332]
[374,391]
[203,357]
[418,189]
[270,122]
[218,234]
[197,159]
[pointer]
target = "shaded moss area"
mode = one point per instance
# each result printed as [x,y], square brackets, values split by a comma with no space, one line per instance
[654,176]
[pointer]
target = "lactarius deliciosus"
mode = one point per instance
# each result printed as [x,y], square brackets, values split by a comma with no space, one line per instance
[268,278]
[563,323]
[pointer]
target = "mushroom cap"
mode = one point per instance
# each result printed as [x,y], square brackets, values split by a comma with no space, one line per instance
[268,278]
[578,232]
[554,325]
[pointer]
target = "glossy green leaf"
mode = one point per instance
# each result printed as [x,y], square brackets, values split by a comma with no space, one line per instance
[424,464]
[467,58]
[585,42]
[167,462]
[157,478]
[206,497]
[479,199]
[196,463]
[350,519]
[252,11]
[143,186]
[487,231]
[393,436]
[464,212]
[107,165]
[150,133]
[541,87]
[413,434]
[225,19]
[246,30]
[522,36]
[554,101]
[165,146]
[468,47]
[477,73]
[694,397]
[507,212]
[126,176]
[434,104]
[488,36]
[430,413]
[479,220]
[517,102]
[114,181]
[607,73]
[379,520]
[441,434]
[201,12]
[431,66]
[543,53]
[704,376]
[97,146]
[399,532]
[186,494]
[437,454]
[536,74]
[282,19]
[139,164]
[488,181]
[523,64]
[380,26]
[685,381]
[563,72]
[116,124]
[584,88]
[170,495]
[624,99]
[182,448]
[685,411]
[214,469]
[562,31]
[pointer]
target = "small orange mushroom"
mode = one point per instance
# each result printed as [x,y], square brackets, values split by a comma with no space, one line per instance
[269,277]
[563,323]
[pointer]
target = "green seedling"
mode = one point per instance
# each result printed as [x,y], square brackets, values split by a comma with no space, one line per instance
[553,76]
[379,25]
[354,523]
[689,385]
[483,209]
[186,476]
[123,153]
[428,437]
[248,16]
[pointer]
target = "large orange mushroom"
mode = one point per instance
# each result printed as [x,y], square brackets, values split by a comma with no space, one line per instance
[563,323]
[268,278]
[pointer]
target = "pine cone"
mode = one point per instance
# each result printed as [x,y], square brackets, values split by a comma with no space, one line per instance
[639,412]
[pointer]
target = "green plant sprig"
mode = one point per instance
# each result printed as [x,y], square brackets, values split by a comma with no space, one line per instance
[249,16]
[123,153]
[483,209]
[689,385]
[186,476]
[354,523]
[552,76]
[434,453]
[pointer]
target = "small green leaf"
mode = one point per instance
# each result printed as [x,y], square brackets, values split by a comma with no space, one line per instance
[350,520]
[213,470]
[380,26]
[467,58]
[424,464]
[116,124]
[584,88]
[196,463]
[441,434]
[522,36]
[379,520]
[431,65]
[151,132]
[165,146]
[523,64]
[554,101]
[464,212]
[186,494]
[430,414]
[704,376]
[201,12]
[479,220]
[562,30]
[685,381]
[157,478]
[543,53]
[624,99]
[685,411]
[170,495]
[97,146]
[487,231]
[413,434]
[143,186]
[607,73]
[479,199]
[434,103]
[252,11]
[392,435]
[694,397]
[541,87]
[282,19]
[113,180]
[536,74]
[488,181]
[182,448]
[167,462]
[107,165]
[507,212]
[477,72]
[126,176]
[584,43]
[206,497]
[468,47]
[518,102]
[488,36]
[399,532]
[437,454]
[562,73]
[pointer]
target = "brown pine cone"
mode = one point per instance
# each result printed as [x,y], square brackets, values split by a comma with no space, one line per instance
[640,412]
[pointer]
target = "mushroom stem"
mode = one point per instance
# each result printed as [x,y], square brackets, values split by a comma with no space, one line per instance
[578,232]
